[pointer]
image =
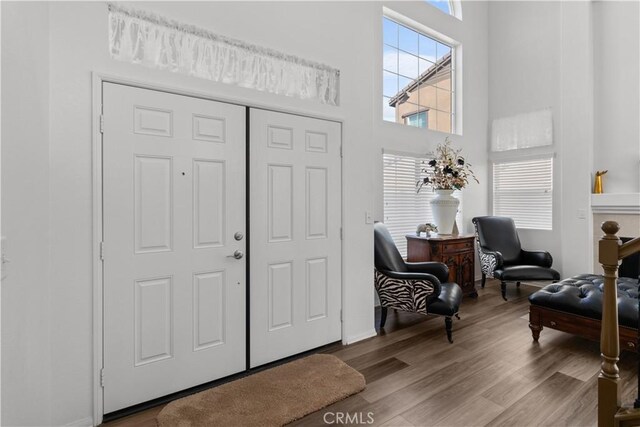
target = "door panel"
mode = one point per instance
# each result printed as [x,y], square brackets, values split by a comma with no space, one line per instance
[174,195]
[295,218]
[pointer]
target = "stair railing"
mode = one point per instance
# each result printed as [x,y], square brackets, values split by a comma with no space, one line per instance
[611,251]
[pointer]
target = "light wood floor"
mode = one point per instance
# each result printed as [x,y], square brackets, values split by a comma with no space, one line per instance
[493,374]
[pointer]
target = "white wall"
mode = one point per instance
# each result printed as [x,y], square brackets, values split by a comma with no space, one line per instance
[26,320]
[576,138]
[2,255]
[524,69]
[582,59]
[542,57]
[617,94]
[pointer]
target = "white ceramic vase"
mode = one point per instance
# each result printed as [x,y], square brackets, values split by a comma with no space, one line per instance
[444,208]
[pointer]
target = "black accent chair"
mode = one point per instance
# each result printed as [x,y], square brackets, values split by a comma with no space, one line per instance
[630,266]
[502,257]
[419,287]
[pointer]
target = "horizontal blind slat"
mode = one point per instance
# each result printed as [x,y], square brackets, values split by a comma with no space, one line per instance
[523,190]
[404,209]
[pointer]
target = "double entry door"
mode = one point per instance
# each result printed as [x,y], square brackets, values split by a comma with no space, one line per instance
[175,247]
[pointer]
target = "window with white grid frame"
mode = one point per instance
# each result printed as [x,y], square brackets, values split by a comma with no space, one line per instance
[523,190]
[418,78]
[404,209]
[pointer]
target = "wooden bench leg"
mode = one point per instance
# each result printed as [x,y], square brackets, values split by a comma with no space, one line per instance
[535,331]
[535,323]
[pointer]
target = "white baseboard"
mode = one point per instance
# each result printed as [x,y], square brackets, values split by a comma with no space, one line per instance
[84,422]
[355,338]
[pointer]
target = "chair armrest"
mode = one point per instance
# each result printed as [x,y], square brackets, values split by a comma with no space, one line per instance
[438,269]
[496,254]
[489,260]
[539,258]
[415,277]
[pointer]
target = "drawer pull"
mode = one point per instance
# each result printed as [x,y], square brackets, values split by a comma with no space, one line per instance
[630,344]
[552,323]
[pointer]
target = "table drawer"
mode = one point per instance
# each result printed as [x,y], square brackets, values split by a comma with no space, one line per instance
[456,248]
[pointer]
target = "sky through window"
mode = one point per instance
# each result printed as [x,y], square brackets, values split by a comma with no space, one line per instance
[417,77]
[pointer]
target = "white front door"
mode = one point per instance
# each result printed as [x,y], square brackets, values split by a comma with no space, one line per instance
[295,217]
[174,199]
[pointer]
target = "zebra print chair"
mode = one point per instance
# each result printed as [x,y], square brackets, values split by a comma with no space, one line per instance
[418,287]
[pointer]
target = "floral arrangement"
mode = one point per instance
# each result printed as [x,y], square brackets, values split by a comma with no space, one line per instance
[447,169]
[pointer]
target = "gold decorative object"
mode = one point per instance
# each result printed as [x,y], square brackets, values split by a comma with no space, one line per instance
[597,185]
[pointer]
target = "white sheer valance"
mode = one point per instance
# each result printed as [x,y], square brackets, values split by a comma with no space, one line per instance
[143,38]
[528,130]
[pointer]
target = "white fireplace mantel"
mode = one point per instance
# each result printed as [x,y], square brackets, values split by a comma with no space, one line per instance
[616,203]
[624,208]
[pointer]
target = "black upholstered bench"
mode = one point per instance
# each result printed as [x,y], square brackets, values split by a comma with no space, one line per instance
[575,306]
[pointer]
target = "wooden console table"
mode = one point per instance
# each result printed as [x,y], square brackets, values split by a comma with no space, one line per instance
[457,252]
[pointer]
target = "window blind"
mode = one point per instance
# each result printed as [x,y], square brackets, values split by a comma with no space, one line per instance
[523,190]
[404,209]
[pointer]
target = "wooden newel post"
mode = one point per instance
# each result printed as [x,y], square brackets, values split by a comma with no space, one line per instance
[608,380]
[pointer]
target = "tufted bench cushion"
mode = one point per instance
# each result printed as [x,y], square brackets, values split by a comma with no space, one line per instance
[582,295]
[575,305]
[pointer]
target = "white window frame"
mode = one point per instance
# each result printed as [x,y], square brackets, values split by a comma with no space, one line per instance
[456,60]
[455,7]
[523,155]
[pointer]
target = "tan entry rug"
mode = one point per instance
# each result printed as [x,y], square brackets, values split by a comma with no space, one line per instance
[273,397]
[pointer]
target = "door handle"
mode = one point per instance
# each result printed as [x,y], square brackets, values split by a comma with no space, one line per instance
[238,254]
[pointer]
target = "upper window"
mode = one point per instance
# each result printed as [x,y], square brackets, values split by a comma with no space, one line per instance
[443,5]
[418,78]
[523,190]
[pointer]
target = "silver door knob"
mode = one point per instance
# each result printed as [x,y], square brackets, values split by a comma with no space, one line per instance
[237,254]
[238,235]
